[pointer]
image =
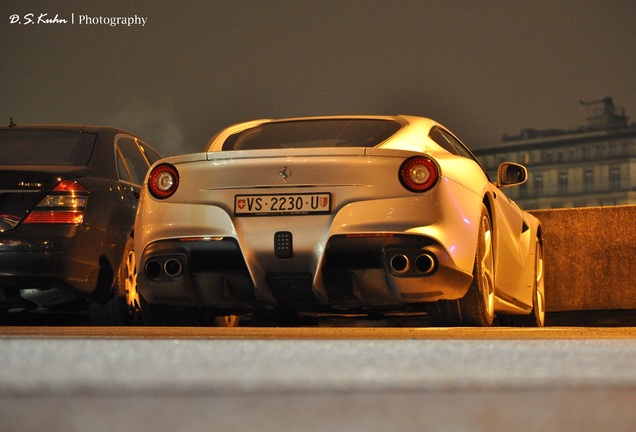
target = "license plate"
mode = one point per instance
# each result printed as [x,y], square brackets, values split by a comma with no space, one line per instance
[278,205]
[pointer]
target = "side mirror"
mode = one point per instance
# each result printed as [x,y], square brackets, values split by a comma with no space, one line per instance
[511,174]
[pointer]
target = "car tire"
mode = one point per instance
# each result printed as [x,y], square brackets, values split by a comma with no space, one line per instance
[478,305]
[445,313]
[123,308]
[536,318]
[539,305]
[226,321]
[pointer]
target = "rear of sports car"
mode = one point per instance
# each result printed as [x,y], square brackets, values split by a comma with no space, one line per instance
[338,227]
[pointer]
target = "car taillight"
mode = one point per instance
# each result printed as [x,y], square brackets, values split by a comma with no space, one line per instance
[163,181]
[65,204]
[418,174]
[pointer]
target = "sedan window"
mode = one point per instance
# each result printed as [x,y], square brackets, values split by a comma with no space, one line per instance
[133,159]
[150,154]
[121,169]
[45,147]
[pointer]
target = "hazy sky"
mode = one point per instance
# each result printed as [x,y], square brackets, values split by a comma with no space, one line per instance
[483,68]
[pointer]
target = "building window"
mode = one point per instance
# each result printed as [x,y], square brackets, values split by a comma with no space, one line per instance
[612,150]
[588,181]
[525,158]
[599,151]
[560,157]
[538,185]
[586,153]
[615,178]
[549,156]
[572,155]
[563,183]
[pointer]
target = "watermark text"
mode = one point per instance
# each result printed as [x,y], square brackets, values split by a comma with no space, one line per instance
[45,18]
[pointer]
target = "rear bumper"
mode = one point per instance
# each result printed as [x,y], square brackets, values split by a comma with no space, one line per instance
[354,272]
[398,269]
[63,262]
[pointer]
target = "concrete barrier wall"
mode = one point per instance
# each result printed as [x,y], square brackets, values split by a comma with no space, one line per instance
[590,258]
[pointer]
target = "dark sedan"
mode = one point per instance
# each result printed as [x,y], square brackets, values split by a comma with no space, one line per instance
[68,198]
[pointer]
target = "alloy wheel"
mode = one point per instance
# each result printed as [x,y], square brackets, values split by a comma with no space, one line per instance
[487,268]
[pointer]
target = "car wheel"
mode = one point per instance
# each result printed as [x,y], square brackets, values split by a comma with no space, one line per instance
[226,321]
[128,281]
[124,306]
[537,317]
[445,313]
[478,305]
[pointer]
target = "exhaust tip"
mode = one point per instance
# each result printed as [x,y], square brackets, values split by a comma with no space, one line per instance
[153,269]
[173,267]
[399,263]
[425,263]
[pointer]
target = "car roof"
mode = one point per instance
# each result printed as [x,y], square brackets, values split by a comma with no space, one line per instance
[102,161]
[66,127]
[401,118]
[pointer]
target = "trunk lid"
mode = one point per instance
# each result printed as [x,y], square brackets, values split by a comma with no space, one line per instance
[297,168]
[346,174]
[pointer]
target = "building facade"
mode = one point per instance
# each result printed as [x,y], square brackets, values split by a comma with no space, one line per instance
[593,165]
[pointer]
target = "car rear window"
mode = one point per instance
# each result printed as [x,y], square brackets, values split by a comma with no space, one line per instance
[313,133]
[45,147]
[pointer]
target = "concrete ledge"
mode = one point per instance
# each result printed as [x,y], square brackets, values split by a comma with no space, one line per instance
[590,258]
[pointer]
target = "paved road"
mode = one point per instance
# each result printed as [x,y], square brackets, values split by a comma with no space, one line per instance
[321,379]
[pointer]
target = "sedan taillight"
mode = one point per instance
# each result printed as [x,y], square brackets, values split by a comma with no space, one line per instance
[65,204]
[163,181]
[418,174]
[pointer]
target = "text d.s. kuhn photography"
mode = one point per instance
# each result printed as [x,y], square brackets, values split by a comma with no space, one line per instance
[45,18]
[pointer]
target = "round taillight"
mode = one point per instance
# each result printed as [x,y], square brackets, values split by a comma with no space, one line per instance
[418,174]
[163,181]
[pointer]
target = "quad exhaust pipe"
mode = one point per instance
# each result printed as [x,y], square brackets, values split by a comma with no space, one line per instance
[400,263]
[171,267]
[424,263]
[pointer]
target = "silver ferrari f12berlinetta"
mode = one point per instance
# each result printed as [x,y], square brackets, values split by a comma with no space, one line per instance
[338,215]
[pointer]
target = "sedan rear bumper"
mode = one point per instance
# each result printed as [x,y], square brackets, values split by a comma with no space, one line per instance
[63,262]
